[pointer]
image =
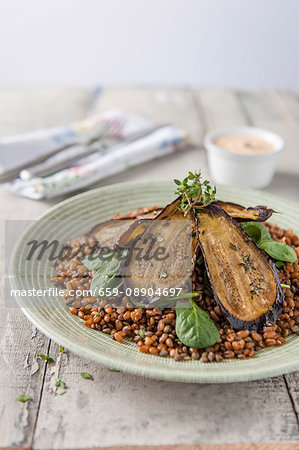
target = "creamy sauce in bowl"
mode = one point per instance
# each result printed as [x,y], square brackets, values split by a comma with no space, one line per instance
[244,144]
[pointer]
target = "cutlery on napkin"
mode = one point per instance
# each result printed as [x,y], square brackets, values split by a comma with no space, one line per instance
[95,155]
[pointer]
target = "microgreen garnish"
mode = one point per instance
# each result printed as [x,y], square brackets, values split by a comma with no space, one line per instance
[23,398]
[285,286]
[60,383]
[86,376]
[46,358]
[194,192]
[61,349]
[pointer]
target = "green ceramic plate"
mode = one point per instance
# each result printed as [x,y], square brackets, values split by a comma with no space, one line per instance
[64,328]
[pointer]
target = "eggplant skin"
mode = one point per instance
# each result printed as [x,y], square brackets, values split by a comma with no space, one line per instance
[224,245]
[258,213]
[108,233]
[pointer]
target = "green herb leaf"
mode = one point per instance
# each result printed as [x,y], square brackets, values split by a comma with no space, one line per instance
[111,369]
[107,276]
[279,264]
[86,376]
[99,261]
[280,251]
[61,349]
[142,333]
[46,358]
[23,398]
[255,232]
[194,192]
[285,286]
[261,236]
[60,383]
[194,327]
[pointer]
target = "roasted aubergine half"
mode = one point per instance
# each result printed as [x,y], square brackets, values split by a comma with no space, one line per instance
[244,280]
[242,214]
[171,239]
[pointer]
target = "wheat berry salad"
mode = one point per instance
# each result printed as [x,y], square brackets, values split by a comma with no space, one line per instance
[196,279]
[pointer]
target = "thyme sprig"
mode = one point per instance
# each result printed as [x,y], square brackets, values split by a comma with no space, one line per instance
[194,192]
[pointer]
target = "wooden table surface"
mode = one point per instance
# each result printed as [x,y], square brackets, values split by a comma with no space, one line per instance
[117,409]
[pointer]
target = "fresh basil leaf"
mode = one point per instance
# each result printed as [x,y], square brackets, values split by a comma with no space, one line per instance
[104,282]
[280,251]
[92,263]
[107,276]
[97,261]
[256,231]
[261,236]
[194,327]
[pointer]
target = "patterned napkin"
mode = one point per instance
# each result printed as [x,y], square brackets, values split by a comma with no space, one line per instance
[100,164]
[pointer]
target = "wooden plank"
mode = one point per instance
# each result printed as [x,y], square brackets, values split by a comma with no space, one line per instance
[291,102]
[168,105]
[26,109]
[221,107]
[118,409]
[206,447]
[266,110]
[292,381]
[20,371]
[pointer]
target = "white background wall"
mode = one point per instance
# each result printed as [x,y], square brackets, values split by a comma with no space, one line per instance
[248,43]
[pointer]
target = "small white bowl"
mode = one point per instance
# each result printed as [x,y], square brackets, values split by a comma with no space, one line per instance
[241,169]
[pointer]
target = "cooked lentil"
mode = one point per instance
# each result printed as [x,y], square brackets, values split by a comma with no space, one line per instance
[158,336]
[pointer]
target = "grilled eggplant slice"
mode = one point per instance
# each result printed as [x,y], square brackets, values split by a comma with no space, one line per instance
[108,233]
[244,280]
[150,212]
[176,235]
[241,214]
